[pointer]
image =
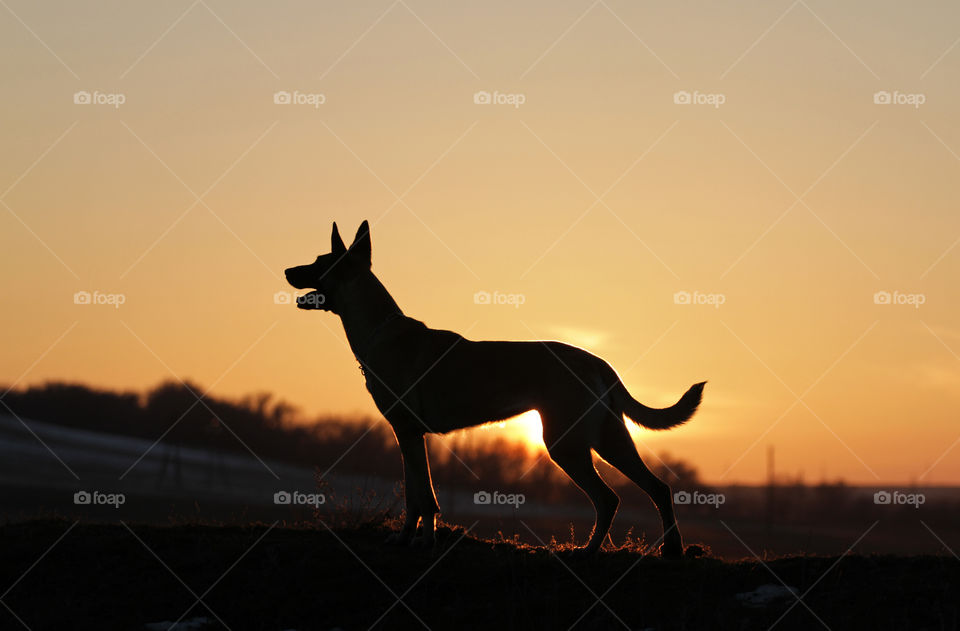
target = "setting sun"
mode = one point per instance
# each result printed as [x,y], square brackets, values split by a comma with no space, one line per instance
[525,427]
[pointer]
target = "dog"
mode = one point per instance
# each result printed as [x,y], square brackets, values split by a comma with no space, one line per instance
[427,380]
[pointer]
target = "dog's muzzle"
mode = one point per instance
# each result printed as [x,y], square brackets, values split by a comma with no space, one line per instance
[296,277]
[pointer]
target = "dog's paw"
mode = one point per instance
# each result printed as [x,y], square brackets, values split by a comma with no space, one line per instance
[582,552]
[671,551]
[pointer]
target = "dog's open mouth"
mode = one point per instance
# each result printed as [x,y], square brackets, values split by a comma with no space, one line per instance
[312,300]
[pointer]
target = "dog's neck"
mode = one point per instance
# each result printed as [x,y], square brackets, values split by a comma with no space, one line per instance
[367,308]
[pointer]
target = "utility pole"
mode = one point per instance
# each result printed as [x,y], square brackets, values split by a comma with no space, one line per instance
[771,483]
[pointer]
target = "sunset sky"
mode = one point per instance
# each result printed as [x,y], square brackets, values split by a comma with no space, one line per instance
[787,189]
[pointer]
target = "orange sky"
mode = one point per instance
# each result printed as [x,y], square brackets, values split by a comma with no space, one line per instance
[783,191]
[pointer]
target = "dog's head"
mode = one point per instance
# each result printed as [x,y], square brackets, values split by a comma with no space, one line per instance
[328,275]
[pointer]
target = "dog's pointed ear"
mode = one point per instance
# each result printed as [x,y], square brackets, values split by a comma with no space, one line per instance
[361,246]
[336,243]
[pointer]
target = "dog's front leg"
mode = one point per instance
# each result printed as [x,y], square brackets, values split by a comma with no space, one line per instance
[405,536]
[421,502]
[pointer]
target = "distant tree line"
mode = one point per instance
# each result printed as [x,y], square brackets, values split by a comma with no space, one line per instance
[276,430]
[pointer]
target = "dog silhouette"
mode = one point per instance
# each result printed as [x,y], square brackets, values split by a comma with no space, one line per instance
[427,380]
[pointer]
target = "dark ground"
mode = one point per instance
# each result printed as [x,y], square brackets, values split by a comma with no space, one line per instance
[100,576]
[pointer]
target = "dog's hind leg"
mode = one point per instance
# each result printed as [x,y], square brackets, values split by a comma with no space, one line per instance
[616,447]
[575,459]
[421,503]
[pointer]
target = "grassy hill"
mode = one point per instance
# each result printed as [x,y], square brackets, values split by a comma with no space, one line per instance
[305,576]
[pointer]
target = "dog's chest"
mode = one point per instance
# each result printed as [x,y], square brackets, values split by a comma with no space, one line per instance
[390,387]
[399,372]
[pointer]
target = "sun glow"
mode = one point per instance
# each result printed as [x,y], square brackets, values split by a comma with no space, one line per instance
[526,427]
[798,285]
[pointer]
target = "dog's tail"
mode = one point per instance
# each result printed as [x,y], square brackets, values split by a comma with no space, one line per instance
[659,418]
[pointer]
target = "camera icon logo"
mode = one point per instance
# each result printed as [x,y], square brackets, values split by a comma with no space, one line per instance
[681,497]
[882,497]
[482,497]
[682,97]
[81,298]
[282,97]
[281,298]
[882,98]
[481,298]
[482,98]
[281,497]
[82,98]
[681,298]
[81,498]
[881,298]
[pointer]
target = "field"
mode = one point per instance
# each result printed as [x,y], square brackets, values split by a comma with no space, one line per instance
[200,539]
[306,576]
